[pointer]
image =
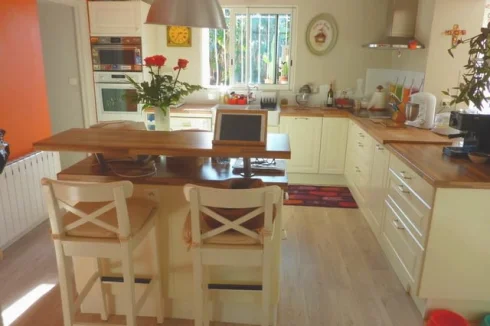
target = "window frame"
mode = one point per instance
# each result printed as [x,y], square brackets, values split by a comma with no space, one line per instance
[250,10]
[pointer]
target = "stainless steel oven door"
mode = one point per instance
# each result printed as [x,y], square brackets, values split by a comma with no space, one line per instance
[114,102]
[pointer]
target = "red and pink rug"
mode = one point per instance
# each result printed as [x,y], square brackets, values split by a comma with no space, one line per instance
[320,196]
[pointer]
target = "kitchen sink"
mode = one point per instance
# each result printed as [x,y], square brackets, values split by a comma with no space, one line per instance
[272,115]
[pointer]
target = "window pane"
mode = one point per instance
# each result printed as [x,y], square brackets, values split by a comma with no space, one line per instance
[219,56]
[240,49]
[263,44]
[283,49]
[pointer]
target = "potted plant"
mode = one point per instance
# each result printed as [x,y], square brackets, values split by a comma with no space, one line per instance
[163,90]
[476,78]
[283,79]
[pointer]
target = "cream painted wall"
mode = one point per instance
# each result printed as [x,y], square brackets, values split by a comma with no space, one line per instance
[359,22]
[442,71]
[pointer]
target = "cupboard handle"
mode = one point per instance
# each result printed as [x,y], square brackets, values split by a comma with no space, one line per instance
[357,169]
[301,119]
[360,144]
[361,135]
[404,176]
[379,148]
[402,189]
[398,226]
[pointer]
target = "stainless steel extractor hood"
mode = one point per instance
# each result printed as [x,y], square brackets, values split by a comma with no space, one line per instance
[402,16]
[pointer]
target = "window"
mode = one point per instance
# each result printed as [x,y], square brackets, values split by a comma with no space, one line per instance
[255,49]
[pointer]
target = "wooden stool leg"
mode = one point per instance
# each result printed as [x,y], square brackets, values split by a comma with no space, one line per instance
[157,276]
[206,300]
[198,291]
[128,274]
[100,287]
[66,284]
[266,286]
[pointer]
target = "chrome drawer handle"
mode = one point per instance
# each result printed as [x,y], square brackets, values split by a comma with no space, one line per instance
[402,189]
[360,144]
[398,226]
[404,176]
[357,169]
[361,135]
[379,148]
[301,119]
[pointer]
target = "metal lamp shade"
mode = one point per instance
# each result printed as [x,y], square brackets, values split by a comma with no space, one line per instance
[192,13]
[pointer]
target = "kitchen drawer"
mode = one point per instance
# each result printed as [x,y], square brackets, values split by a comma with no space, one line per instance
[418,186]
[402,250]
[416,212]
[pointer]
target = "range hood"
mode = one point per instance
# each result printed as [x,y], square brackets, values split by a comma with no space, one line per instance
[402,16]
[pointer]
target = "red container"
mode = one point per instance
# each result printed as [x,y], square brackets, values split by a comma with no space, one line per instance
[232,101]
[241,101]
[446,318]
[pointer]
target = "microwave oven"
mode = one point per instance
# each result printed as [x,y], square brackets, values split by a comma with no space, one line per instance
[116,54]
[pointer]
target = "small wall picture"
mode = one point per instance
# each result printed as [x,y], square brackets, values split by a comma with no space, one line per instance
[321,34]
[179,36]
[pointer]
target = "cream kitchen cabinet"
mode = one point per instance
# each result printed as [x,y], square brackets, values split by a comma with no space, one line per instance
[333,145]
[378,184]
[305,135]
[115,18]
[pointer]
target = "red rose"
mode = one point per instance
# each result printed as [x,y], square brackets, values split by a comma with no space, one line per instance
[159,60]
[182,63]
[150,61]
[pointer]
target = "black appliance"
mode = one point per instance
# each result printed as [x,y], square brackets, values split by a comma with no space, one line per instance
[474,128]
[4,151]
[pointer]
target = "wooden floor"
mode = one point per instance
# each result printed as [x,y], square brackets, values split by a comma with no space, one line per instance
[333,273]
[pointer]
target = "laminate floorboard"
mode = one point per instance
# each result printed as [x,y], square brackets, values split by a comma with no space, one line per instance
[333,273]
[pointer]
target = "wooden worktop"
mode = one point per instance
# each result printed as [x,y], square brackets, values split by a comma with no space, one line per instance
[142,142]
[442,171]
[209,173]
[379,132]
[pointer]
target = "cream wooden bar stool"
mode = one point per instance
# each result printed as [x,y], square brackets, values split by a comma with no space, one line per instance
[101,221]
[231,242]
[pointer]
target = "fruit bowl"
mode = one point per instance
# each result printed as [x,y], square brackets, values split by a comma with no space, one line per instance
[478,158]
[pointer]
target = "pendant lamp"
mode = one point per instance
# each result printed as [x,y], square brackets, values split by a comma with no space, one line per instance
[192,13]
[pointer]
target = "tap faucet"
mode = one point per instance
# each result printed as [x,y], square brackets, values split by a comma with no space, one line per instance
[251,97]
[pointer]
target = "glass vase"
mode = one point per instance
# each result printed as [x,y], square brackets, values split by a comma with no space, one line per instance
[162,119]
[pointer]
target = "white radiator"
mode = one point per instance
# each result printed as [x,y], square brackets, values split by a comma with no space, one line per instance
[22,204]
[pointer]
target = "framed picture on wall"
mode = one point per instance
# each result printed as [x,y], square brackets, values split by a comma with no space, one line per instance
[179,36]
[321,34]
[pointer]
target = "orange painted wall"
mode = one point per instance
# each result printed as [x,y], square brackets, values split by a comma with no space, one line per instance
[24,111]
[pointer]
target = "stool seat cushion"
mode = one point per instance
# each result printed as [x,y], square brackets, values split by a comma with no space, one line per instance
[139,211]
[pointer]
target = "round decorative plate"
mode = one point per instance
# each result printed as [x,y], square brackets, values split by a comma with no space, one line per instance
[321,34]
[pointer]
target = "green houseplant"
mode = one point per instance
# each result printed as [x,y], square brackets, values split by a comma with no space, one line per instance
[162,90]
[476,79]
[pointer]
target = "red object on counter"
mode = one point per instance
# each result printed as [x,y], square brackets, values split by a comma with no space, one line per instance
[232,101]
[242,101]
[446,318]
[412,45]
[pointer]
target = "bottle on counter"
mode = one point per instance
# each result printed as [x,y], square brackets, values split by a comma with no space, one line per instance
[330,96]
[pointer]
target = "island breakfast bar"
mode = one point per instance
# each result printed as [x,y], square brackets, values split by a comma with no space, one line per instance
[237,306]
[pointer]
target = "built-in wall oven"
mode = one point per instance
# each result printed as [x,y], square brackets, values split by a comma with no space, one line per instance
[114,96]
[116,53]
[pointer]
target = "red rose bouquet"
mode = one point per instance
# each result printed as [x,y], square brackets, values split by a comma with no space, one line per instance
[163,90]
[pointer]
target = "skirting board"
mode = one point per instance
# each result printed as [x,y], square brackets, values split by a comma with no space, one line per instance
[317,179]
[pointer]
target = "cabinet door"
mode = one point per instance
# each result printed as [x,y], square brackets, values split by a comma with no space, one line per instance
[333,145]
[305,137]
[273,129]
[118,18]
[378,186]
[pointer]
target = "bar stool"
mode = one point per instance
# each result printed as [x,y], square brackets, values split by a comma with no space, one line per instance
[101,221]
[232,242]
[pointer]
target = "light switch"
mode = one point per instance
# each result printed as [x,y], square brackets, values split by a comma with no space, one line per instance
[73,81]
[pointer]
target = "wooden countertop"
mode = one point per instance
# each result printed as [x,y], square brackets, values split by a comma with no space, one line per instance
[442,171]
[142,142]
[379,132]
[89,170]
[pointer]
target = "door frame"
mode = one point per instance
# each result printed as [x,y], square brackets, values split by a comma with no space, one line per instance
[82,36]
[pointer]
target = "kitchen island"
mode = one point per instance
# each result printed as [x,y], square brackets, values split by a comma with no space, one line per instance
[167,185]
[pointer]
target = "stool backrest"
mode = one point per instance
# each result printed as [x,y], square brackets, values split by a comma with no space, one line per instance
[202,198]
[65,195]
